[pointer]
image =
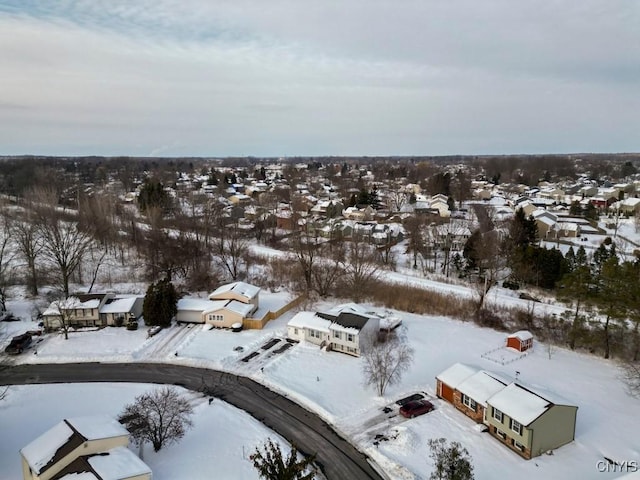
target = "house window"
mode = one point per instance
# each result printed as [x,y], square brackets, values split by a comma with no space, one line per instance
[516,427]
[216,318]
[518,445]
[350,337]
[469,402]
[337,334]
[501,434]
[497,414]
[295,331]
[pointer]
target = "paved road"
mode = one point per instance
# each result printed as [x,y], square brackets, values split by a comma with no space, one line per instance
[337,458]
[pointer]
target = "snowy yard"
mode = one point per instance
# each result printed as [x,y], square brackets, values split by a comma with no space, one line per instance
[331,384]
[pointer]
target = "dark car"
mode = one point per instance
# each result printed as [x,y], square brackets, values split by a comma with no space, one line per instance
[18,344]
[416,407]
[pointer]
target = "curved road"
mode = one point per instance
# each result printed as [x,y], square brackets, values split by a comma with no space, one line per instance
[337,458]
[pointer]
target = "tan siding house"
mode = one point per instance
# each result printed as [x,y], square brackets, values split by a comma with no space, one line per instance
[95,445]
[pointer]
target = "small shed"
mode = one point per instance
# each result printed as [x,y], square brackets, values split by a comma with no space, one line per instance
[521,341]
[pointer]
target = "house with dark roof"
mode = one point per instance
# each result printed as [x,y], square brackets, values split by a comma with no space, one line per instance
[345,328]
[92,448]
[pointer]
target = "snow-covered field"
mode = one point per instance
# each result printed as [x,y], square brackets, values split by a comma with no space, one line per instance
[330,383]
[218,446]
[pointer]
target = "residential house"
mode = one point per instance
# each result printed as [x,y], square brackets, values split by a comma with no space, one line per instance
[81,310]
[363,214]
[345,328]
[524,420]
[528,422]
[228,305]
[120,309]
[84,447]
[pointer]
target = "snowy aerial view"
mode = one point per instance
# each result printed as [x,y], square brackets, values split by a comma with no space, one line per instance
[311,240]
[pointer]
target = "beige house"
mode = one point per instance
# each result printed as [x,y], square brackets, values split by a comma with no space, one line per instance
[529,423]
[240,291]
[227,305]
[85,447]
[82,310]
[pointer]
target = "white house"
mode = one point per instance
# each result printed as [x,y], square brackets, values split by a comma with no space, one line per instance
[345,328]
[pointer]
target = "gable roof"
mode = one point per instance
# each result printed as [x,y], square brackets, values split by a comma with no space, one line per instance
[241,288]
[522,335]
[519,403]
[456,374]
[482,385]
[66,436]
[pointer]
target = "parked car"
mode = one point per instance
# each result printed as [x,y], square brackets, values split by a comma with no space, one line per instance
[18,344]
[154,330]
[416,407]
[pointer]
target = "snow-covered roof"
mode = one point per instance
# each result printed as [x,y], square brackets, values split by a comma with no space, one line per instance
[199,304]
[71,303]
[481,386]
[456,374]
[522,335]
[119,463]
[43,449]
[241,288]
[309,320]
[96,427]
[348,307]
[40,451]
[243,309]
[119,305]
[521,404]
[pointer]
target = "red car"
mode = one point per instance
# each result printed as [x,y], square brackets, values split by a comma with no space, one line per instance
[415,408]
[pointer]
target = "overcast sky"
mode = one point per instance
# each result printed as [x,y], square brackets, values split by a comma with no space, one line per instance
[318,77]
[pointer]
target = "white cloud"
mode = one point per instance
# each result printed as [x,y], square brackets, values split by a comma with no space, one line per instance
[351,77]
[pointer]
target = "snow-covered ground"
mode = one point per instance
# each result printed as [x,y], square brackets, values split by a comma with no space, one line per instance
[331,384]
[218,445]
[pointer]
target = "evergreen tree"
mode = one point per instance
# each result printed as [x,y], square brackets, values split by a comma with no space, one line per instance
[271,465]
[451,462]
[153,195]
[160,303]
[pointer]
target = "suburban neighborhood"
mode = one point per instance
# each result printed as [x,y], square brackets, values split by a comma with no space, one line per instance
[307,292]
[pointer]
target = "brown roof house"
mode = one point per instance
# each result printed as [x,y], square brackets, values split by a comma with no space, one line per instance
[92,448]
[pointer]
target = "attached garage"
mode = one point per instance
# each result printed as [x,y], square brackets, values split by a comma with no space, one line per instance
[448,381]
[190,309]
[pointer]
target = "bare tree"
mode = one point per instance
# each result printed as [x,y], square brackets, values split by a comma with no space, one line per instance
[360,267]
[305,250]
[385,359]
[65,308]
[64,245]
[161,417]
[330,270]
[631,376]
[271,464]
[229,249]
[7,255]
[29,246]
